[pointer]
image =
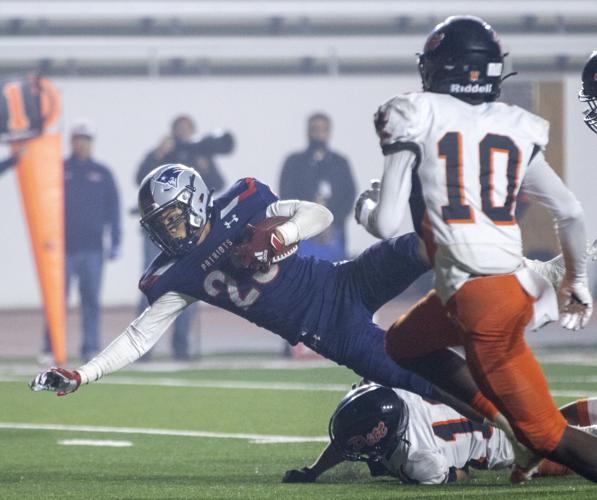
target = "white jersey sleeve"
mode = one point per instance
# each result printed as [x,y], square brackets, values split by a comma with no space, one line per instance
[544,184]
[140,336]
[399,124]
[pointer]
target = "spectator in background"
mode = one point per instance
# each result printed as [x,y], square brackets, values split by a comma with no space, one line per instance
[91,206]
[323,176]
[179,147]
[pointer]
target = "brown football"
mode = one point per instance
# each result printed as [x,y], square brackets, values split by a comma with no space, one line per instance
[257,242]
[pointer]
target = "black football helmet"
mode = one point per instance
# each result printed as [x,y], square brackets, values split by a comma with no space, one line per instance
[588,91]
[369,423]
[463,57]
[174,186]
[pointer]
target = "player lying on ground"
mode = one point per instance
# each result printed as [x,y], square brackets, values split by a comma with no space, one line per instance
[419,441]
[460,159]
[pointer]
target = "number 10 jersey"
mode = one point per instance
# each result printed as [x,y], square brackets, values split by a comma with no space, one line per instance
[471,163]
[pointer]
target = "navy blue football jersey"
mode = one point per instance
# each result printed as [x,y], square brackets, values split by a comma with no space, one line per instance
[286,300]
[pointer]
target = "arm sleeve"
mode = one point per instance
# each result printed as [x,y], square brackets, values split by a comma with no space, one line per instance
[307,219]
[543,183]
[384,218]
[140,336]
[113,206]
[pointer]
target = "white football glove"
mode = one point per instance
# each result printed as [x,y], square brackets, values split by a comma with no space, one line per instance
[576,304]
[574,298]
[57,380]
[368,197]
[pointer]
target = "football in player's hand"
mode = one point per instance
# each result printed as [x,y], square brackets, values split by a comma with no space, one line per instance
[263,245]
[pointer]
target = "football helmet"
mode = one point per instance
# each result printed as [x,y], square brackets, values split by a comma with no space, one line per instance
[463,57]
[174,186]
[369,423]
[588,91]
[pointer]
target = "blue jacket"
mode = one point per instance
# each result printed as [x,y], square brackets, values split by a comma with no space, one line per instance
[91,204]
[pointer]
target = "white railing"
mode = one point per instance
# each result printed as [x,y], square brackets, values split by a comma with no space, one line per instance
[339,9]
[235,48]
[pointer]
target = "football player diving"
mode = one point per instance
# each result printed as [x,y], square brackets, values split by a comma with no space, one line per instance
[460,158]
[217,251]
[398,433]
[227,253]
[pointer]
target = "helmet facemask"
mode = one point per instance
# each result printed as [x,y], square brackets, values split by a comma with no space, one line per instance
[588,92]
[187,207]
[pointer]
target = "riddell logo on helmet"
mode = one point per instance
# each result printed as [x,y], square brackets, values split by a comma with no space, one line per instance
[471,88]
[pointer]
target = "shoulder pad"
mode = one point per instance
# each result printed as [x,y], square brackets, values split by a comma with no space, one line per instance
[153,272]
[401,119]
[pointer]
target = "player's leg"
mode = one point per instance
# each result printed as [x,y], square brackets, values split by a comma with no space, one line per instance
[90,278]
[69,273]
[386,269]
[582,412]
[493,313]
[419,341]
[363,352]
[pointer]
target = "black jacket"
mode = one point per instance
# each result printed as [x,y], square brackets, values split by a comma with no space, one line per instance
[91,204]
[302,177]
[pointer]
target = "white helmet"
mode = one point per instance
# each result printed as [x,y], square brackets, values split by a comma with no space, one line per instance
[174,185]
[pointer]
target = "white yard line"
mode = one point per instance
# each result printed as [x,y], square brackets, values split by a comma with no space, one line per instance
[277,386]
[573,394]
[212,384]
[254,438]
[111,443]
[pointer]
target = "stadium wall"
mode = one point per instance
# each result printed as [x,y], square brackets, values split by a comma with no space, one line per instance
[267,116]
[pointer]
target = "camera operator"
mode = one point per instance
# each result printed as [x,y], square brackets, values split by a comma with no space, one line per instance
[179,147]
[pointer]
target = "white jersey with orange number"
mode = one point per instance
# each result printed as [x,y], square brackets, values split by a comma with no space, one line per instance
[439,440]
[470,164]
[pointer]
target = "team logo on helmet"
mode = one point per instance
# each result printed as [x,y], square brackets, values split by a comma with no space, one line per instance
[359,442]
[434,41]
[170,177]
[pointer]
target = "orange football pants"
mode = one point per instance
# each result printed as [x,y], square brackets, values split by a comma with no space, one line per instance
[488,317]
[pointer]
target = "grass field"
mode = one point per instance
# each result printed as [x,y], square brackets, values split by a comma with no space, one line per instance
[250,410]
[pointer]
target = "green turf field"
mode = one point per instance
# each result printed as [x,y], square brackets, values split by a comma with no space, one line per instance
[34,465]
